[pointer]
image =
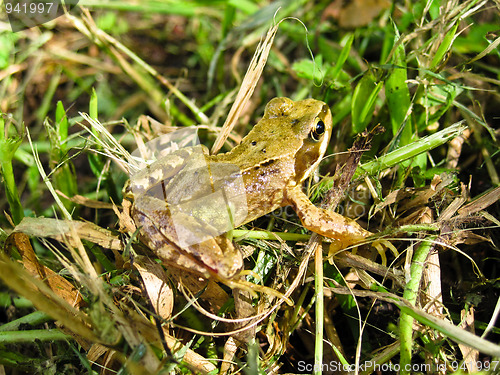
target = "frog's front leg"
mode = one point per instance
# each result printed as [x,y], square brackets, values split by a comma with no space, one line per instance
[345,231]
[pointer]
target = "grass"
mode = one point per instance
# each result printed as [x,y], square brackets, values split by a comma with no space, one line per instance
[79,93]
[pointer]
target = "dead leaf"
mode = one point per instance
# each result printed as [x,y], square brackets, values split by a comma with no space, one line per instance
[470,355]
[60,230]
[156,283]
[469,238]
[45,299]
[83,201]
[355,13]
[454,206]
[480,203]
[58,284]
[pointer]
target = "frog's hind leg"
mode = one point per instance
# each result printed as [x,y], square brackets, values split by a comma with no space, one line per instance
[344,231]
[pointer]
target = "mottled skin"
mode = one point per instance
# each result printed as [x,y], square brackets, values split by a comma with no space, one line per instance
[278,154]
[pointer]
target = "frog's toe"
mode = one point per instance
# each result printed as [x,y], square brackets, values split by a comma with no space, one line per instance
[381,245]
[338,245]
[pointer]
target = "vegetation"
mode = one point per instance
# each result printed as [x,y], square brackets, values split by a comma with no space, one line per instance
[413,88]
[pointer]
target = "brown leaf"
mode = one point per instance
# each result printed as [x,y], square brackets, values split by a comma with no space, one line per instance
[44,298]
[81,200]
[60,230]
[156,283]
[355,13]
[468,238]
[481,203]
[58,284]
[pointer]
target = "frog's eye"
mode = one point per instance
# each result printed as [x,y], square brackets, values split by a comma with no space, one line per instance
[318,130]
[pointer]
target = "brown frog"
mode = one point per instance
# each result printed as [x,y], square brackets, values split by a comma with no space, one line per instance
[264,172]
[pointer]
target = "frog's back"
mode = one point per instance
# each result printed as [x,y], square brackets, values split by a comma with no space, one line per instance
[280,151]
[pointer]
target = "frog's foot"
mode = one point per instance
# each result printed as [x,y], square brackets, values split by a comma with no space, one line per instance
[344,232]
[381,245]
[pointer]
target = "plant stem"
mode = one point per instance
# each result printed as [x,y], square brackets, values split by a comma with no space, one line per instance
[411,294]
[411,150]
[10,337]
[318,287]
[8,147]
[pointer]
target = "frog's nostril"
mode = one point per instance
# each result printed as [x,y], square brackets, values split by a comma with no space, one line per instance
[325,108]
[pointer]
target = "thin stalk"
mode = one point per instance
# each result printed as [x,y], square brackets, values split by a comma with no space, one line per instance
[11,191]
[409,151]
[33,319]
[11,337]
[264,235]
[8,147]
[411,294]
[320,306]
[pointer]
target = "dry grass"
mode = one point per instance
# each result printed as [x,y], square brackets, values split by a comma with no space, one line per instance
[80,93]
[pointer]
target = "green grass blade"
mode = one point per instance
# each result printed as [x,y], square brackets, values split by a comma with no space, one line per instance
[409,151]
[398,94]
[334,72]
[62,123]
[8,147]
[320,310]
[11,337]
[444,47]
[363,101]
[410,294]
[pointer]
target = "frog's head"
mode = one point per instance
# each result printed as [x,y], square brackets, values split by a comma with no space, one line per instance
[306,127]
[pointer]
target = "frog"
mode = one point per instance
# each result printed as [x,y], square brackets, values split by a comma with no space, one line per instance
[272,161]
